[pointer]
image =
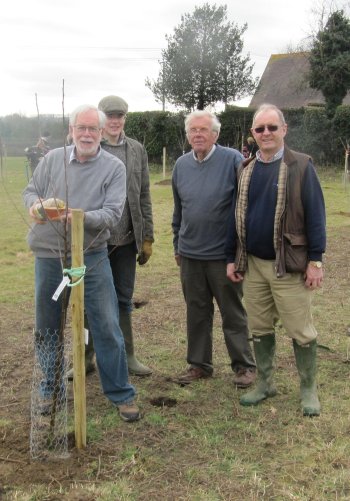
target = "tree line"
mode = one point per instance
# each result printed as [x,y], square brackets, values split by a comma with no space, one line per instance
[203,65]
[309,129]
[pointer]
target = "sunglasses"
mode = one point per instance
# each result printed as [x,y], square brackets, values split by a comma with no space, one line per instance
[270,128]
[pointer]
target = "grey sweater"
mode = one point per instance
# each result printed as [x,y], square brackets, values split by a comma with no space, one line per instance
[203,194]
[97,186]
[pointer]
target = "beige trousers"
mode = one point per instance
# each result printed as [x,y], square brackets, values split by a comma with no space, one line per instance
[268,298]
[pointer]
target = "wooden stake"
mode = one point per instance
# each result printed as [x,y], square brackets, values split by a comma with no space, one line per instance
[77,302]
[164,162]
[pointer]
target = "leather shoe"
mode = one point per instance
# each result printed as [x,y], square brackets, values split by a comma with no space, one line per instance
[192,374]
[244,377]
[129,412]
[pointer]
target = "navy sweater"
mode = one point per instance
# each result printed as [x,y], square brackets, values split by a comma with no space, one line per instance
[261,212]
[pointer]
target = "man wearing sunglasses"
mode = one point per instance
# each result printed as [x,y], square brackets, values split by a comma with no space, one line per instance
[275,244]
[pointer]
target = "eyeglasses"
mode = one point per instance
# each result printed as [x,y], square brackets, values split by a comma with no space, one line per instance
[82,128]
[202,130]
[270,128]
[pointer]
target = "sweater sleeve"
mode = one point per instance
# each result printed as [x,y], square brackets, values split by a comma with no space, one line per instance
[231,236]
[108,216]
[315,214]
[36,187]
[145,199]
[177,214]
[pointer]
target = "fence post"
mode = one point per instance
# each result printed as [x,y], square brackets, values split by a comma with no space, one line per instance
[164,162]
[77,302]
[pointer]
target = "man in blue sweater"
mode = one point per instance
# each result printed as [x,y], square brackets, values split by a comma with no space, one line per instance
[203,186]
[275,243]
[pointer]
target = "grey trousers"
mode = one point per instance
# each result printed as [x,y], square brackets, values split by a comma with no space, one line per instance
[202,281]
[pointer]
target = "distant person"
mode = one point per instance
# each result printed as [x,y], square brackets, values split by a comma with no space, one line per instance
[95,181]
[252,147]
[133,237]
[43,143]
[203,185]
[275,244]
[35,153]
[245,151]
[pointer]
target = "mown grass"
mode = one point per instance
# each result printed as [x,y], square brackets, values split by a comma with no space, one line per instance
[207,447]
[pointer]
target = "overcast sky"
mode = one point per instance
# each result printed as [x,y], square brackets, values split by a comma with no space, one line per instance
[111,47]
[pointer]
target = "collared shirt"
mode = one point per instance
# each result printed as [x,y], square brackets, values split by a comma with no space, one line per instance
[121,140]
[98,187]
[73,156]
[207,157]
[276,156]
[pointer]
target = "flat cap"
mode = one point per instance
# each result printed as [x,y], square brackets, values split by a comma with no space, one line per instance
[110,104]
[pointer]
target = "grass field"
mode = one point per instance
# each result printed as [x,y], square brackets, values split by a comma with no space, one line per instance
[206,447]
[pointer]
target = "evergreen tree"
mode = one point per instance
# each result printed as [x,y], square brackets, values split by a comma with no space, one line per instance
[330,61]
[203,63]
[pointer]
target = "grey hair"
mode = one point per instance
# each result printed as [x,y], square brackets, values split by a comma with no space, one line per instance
[87,107]
[215,124]
[269,107]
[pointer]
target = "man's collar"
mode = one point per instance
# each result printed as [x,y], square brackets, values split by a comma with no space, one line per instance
[276,156]
[121,140]
[207,157]
[73,156]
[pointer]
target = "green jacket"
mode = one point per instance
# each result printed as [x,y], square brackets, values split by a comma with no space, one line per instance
[137,189]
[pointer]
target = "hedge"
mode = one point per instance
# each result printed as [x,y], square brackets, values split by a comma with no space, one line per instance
[309,131]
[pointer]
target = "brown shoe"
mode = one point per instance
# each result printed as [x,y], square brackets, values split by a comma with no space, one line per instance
[244,377]
[129,412]
[192,374]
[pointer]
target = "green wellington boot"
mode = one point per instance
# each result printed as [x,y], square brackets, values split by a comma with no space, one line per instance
[264,349]
[305,357]
[135,367]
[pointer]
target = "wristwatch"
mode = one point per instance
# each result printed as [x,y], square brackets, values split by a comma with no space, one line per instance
[316,264]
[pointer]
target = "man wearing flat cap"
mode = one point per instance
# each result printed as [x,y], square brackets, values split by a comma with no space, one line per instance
[133,237]
[134,234]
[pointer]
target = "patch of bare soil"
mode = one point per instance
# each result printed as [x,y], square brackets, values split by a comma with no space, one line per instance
[94,463]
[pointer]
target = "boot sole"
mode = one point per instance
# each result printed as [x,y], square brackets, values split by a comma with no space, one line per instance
[311,413]
[139,374]
[257,402]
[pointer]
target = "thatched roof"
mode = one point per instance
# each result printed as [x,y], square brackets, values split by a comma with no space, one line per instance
[284,83]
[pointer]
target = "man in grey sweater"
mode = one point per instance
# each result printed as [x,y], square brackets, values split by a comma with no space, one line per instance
[134,233]
[203,185]
[86,177]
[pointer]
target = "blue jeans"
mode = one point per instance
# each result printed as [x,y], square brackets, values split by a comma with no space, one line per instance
[123,264]
[102,311]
